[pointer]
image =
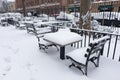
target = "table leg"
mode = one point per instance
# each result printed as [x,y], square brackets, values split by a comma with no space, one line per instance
[62,52]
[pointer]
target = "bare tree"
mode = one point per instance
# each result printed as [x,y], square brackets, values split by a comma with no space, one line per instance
[24,7]
[85,7]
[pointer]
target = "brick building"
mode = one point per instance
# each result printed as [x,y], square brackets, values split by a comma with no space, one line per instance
[108,4]
[55,6]
[50,7]
[45,6]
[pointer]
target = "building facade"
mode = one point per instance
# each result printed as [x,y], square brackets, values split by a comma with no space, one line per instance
[52,7]
[49,7]
[106,6]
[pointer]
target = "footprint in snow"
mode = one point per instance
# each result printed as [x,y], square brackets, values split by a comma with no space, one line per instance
[7,59]
[5,71]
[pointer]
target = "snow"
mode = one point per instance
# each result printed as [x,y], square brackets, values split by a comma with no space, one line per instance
[44,42]
[64,15]
[100,39]
[78,55]
[94,24]
[21,59]
[63,37]
[45,23]
[43,30]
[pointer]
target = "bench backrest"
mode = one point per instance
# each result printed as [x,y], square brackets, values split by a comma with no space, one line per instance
[17,24]
[95,48]
[30,28]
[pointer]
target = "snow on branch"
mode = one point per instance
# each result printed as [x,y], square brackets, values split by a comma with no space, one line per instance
[85,18]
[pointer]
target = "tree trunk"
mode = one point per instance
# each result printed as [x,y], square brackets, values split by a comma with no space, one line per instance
[85,14]
[24,8]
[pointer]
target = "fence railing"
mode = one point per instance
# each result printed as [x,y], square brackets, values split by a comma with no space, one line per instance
[111,48]
[108,18]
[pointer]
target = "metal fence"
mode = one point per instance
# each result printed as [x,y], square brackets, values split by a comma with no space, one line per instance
[108,18]
[111,48]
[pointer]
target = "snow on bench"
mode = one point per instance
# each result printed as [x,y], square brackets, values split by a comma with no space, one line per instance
[81,57]
[100,39]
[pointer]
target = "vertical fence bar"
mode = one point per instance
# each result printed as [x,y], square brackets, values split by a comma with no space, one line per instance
[89,37]
[94,35]
[81,40]
[77,44]
[85,40]
[119,58]
[109,46]
[115,47]
[81,43]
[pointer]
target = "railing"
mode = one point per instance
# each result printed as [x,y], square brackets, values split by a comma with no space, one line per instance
[111,48]
[107,18]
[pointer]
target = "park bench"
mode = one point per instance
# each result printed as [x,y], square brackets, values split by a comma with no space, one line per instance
[37,30]
[4,22]
[81,57]
[19,25]
[43,44]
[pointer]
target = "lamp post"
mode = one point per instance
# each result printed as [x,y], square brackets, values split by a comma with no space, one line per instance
[111,9]
[55,9]
[42,8]
[64,12]
[46,9]
[75,4]
[75,8]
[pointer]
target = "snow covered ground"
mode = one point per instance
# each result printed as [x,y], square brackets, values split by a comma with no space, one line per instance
[21,59]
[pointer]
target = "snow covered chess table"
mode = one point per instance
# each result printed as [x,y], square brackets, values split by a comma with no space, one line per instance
[62,38]
[38,24]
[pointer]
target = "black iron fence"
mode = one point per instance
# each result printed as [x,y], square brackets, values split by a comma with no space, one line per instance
[114,22]
[111,48]
[108,18]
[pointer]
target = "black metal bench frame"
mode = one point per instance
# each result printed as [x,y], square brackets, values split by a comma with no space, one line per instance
[17,25]
[31,28]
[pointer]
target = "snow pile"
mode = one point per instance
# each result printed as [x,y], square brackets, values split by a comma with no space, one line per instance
[11,15]
[43,15]
[63,37]
[100,39]
[78,55]
[29,14]
[65,16]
